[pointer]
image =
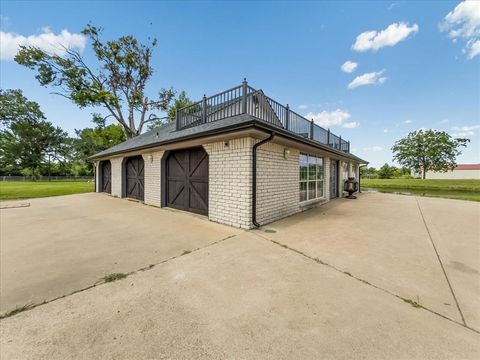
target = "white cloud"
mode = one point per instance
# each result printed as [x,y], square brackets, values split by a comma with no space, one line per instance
[351,125]
[408,121]
[464,131]
[466,128]
[462,134]
[464,22]
[392,35]
[386,131]
[368,79]
[375,148]
[333,118]
[46,40]
[349,66]
[474,49]
[302,107]
[444,121]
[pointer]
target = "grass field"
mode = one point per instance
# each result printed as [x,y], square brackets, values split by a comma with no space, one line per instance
[27,190]
[451,189]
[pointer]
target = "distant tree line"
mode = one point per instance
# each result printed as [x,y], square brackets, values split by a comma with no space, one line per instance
[385,172]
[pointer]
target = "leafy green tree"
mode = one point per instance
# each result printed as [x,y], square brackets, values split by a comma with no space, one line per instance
[179,102]
[400,172]
[385,172]
[368,172]
[90,141]
[118,84]
[26,138]
[425,150]
[16,107]
[29,145]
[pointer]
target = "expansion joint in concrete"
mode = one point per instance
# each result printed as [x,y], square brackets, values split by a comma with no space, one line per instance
[441,263]
[319,261]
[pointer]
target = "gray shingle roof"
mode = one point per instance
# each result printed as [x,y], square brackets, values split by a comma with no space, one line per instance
[168,134]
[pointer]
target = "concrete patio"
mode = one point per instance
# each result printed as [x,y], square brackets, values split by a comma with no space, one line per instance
[382,277]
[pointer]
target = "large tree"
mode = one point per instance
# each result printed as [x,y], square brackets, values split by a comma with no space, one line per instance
[425,150]
[118,83]
[90,141]
[27,140]
[180,101]
[16,107]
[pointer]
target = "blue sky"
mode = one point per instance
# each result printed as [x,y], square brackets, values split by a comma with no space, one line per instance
[419,69]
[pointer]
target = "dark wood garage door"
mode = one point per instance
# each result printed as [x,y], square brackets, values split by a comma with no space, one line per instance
[134,173]
[106,177]
[187,180]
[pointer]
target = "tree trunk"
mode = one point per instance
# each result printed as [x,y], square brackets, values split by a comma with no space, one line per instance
[423,174]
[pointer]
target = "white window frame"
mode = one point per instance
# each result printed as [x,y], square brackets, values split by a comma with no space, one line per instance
[318,180]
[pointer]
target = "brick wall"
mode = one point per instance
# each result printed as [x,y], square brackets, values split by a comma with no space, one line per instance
[277,183]
[230,182]
[152,181]
[116,176]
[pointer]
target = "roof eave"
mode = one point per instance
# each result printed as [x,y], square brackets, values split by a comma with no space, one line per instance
[254,122]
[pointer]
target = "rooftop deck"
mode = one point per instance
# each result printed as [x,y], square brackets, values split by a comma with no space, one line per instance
[244,99]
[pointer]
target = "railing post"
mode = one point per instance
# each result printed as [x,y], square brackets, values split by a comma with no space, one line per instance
[348,146]
[328,137]
[204,109]
[176,119]
[340,143]
[287,118]
[311,130]
[244,95]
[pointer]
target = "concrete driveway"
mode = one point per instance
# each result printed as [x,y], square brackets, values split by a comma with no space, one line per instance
[353,279]
[423,249]
[63,244]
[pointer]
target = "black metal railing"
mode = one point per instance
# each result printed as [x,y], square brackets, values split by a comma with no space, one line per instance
[244,99]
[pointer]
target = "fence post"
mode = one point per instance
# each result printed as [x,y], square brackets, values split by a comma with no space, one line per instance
[287,118]
[340,143]
[311,130]
[348,146]
[244,96]
[328,137]
[204,109]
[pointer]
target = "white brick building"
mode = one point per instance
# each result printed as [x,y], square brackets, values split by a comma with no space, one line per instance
[238,157]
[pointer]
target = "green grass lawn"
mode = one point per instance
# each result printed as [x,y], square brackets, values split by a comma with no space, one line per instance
[451,189]
[28,190]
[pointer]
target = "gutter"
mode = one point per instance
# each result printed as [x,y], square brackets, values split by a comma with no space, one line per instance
[231,128]
[254,177]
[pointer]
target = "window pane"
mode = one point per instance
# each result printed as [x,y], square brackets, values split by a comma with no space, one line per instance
[303,191]
[312,171]
[320,169]
[303,172]
[311,190]
[319,188]
[303,159]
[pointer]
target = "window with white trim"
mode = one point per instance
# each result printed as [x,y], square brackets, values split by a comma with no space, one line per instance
[311,177]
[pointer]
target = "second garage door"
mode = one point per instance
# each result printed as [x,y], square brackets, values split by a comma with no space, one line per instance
[187,180]
[134,172]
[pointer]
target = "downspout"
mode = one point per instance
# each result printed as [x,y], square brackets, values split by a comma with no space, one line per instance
[254,178]
[359,177]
